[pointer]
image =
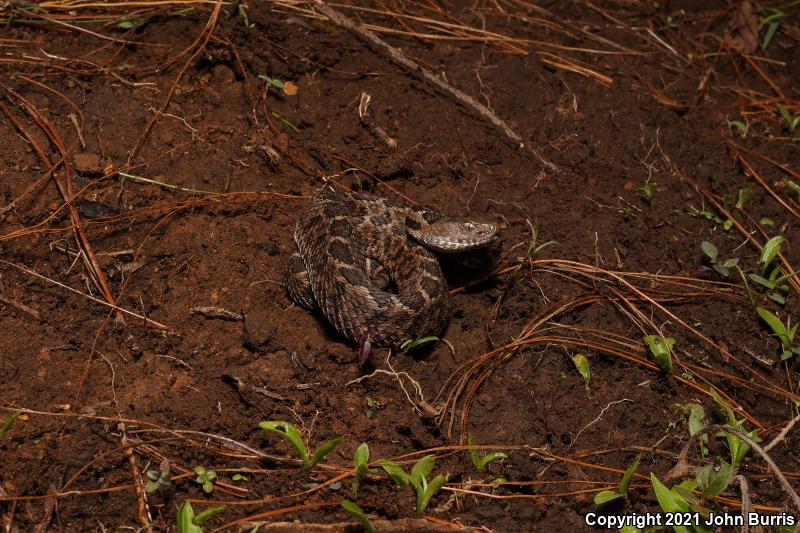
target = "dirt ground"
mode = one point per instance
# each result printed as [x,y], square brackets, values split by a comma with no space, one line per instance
[155,155]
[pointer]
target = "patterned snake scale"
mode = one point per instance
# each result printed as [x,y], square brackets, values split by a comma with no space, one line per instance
[350,245]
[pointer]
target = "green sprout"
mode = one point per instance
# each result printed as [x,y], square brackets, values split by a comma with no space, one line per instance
[239,477]
[648,191]
[713,217]
[289,433]
[770,18]
[481,462]
[360,461]
[785,332]
[621,492]
[356,512]
[769,276]
[413,344]
[661,348]
[245,18]
[275,82]
[205,478]
[794,188]
[417,479]
[680,500]
[372,407]
[696,420]
[792,120]
[158,478]
[736,446]
[742,127]
[712,479]
[187,522]
[7,423]
[723,268]
[582,366]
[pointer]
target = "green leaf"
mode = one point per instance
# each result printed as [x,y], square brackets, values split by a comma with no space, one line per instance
[125,24]
[239,477]
[775,325]
[582,365]
[766,221]
[744,196]
[793,187]
[412,344]
[628,475]
[323,450]
[396,472]
[356,512]
[288,432]
[669,501]
[603,497]
[710,250]
[185,519]
[768,253]
[361,457]
[479,462]
[662,351]
[713,479]
[772,29]
[208,513]
[423,467]
[432,488]
[7,423]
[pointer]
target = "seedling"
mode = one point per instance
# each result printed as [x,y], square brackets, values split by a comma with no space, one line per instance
[794,188]
[372,407]
[713,217]
[713,479]
[696,420]
[239,477]
[648,191]
[621,492]
[289,433]
[356,512]
[245,18]
[188,522]
[158,478]
[769,18]
[360,461]
[481,462]
[679,501]
[743,127]
[417,479]
[205,478]
[661,348]
[7,423]
[582,366]
[771,277]
[413,344]
[723,268]
[130,23]
[785,332]
[736,446]
[792,121]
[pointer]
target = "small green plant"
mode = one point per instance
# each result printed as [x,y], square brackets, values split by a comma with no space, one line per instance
[792,121]
[712,479]
[770,18]
[648,191]
[582,366]
[360,461]
[289,433]
[696,420]
[480,462]
[356,512]
[413,344]
[661,348]
[794,188]
[417,479]
[736,446]
[785,332]
[188,522]
[158,478]
[7,423]
[239,477]
[621,492]
[372,407]
[205,478]
[771,277]
[742,127]
[723,268]
[713,217]
[680,500]
[245,18]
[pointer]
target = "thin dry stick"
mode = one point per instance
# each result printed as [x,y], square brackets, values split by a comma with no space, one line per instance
[415,69]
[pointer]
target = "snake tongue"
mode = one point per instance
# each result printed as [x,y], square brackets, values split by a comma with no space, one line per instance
[364,350]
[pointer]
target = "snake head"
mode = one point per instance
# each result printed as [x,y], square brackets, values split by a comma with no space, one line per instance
[450,235]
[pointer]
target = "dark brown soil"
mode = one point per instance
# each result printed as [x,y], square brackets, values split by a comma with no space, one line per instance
[616,95]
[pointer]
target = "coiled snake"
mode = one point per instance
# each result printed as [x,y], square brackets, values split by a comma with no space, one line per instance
[351,246]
